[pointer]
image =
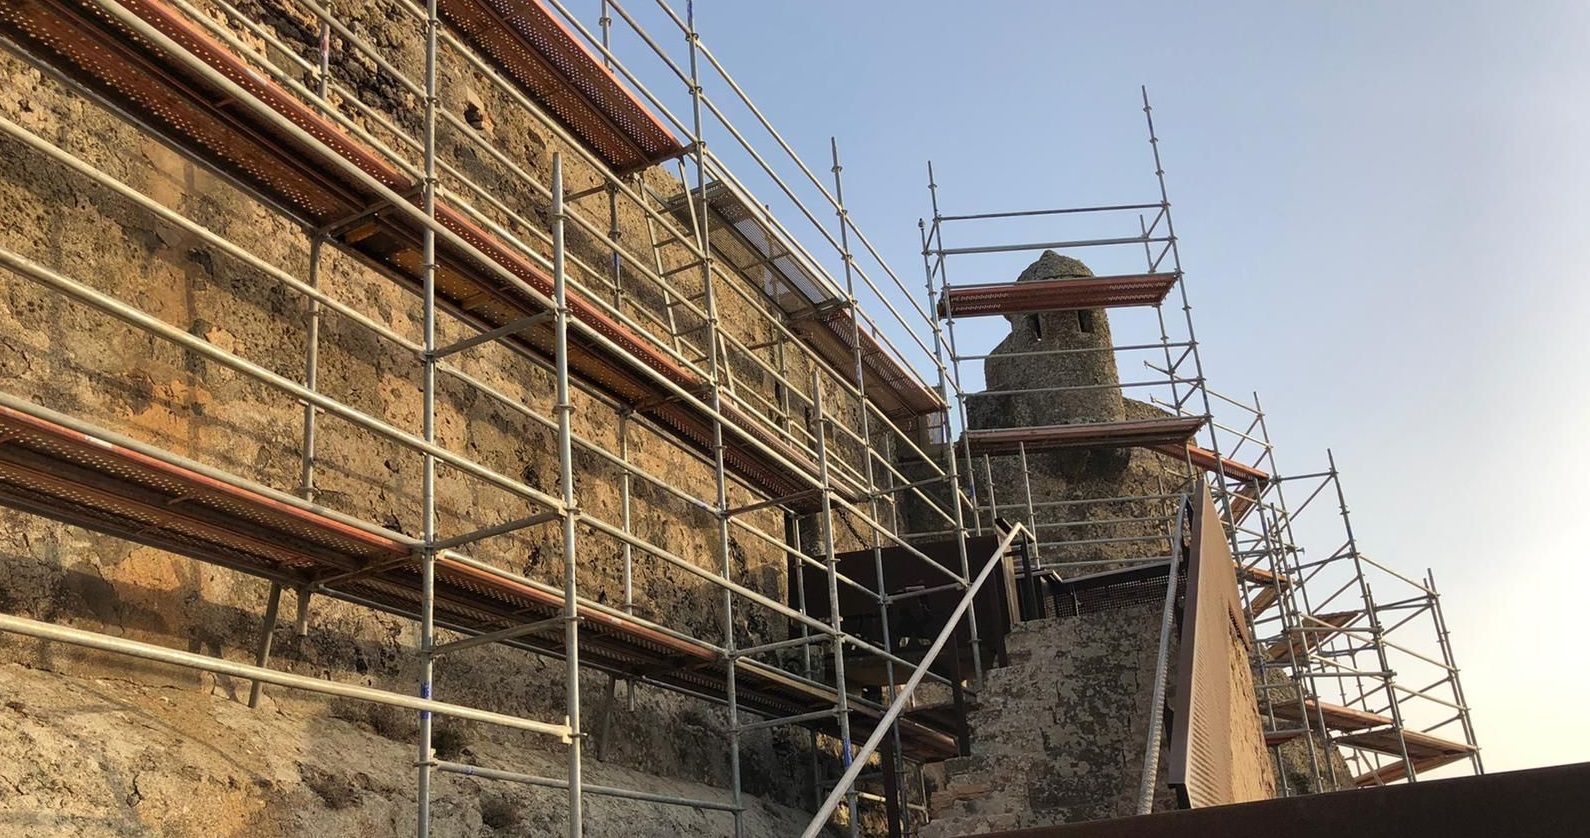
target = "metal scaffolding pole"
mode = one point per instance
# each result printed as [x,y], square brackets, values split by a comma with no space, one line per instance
[1377,636]
[716,375]
[565,411]
[952,475]
[728,403]
[1200,382]
[428,433]
[836,633]
[1278,544]
[895,761]
[1444,637]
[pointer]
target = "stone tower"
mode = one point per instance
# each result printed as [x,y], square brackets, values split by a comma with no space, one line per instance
[1084,337]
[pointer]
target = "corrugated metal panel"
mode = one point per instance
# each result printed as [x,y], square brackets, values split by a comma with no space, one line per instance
[1201,757]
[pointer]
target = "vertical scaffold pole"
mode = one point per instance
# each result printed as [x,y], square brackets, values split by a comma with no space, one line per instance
[565,410]
[267,631]
[306,451]
[1444,637]
[894,761]
[836,628]
[1278,540]
[953,469]
[428,426]
[306,469]
[626,492]
[1199,382]
[716,371]
[1387,678]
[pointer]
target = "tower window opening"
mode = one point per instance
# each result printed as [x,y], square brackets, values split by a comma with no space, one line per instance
[1085,321]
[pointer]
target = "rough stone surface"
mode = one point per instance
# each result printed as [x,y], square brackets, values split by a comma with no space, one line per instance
[1304,765]
[1055,481]
[1081,337]
[59,354]
[118,756]
[1058,736]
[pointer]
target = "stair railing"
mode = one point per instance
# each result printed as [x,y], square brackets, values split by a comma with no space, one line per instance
[1156,716]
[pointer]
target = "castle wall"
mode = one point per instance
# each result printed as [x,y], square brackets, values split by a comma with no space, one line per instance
[80,362]
[1059,735]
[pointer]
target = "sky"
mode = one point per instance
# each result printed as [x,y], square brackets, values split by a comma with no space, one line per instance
[1378,206]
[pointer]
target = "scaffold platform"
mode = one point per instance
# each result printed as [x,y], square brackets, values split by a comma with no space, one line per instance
[1063,294]
[1270,586]
[1207,460]
[528,42]
[1426,752]
[1169,431]
[249,142]
[1314,631]
[818,312]
[85,480]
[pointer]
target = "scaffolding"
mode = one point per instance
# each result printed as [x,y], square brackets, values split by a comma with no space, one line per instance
[1368,647]
[717,335]
[798,418]
[1329,672]
[1333,663]
[1161,406]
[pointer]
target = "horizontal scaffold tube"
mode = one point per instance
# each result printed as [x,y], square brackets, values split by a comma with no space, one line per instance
[160,654]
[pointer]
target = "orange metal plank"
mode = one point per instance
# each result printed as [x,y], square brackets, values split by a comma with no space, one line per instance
[1148,433]
[528,41]
[1056,295]
[1205,459]
[1336,717]
[1394,771]
[1317,630]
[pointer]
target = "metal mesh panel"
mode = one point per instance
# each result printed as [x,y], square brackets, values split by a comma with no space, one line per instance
[548,62]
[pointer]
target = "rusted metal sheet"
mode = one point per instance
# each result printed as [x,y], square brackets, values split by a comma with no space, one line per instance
[1213,639]
[1057,295]
[533,47]
[1205,459]
[1172,430]
[1538,803]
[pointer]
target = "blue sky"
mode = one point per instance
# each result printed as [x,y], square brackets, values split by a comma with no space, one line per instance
[1378,206]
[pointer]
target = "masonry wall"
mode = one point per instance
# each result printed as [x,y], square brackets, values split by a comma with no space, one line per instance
[1059,735]
[68,358]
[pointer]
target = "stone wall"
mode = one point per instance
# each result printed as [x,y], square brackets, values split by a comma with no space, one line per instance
[68,358]
[1253,768]
[1079,342]
[1059,735]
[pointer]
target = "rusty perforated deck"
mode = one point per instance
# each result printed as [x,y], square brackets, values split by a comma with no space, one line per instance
[240,139]
[1056,295]
[85,480]
[1150,433]
[532,46]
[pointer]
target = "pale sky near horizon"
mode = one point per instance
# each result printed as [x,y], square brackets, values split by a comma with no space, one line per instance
[1378,205]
